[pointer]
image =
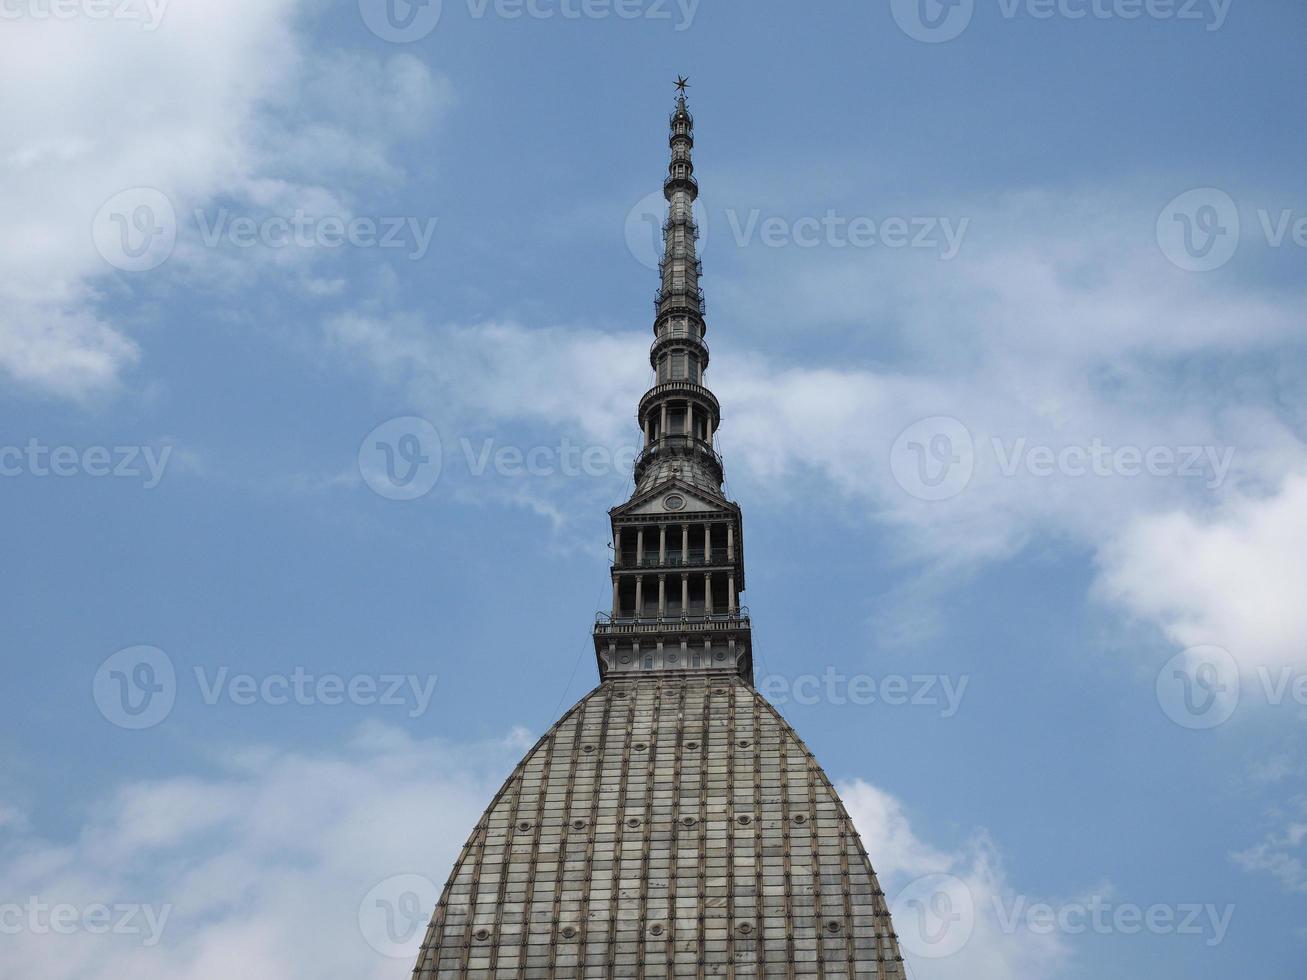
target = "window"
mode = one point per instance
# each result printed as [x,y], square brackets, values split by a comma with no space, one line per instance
[648,663]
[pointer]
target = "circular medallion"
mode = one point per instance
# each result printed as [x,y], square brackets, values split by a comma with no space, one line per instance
[674,501]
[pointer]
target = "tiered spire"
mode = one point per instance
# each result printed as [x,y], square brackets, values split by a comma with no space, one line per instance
[679,415]
[678,567]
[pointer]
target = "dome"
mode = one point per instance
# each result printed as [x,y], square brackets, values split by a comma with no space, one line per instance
[671,825]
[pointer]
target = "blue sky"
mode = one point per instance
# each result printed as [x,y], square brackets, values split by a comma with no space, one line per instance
[1005,306]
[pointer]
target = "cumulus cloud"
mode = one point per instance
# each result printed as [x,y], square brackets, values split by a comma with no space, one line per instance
[275,864]
[303,865]
[224,100]
[1234,579]
[1098,396]
[952,908]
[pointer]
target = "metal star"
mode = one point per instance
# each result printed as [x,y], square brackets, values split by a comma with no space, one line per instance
[682,83]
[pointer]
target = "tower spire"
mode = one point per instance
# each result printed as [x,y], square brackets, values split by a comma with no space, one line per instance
[679,416]
[678,558]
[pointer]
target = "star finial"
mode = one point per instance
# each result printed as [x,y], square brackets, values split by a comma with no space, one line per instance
[682,83]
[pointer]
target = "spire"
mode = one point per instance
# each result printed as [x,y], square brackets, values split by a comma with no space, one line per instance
[679,415]
[678,543]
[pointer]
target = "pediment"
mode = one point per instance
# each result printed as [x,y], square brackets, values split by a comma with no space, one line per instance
[672,499]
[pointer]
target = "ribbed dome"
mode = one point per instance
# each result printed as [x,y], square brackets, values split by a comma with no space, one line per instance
[668,826]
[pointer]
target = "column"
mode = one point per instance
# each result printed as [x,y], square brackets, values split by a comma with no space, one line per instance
[685,594]
[685,544]
[617,547]
[662,596]
[662,544]
[707,543]
[730,542]
[689,415]
[707,593]
[730,592]
[617,596]
[639,597]
[639,547]
[662,433]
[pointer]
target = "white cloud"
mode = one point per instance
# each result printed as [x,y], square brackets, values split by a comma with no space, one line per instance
[261,866]
[1234,579]
[224,98]
[1060,327]
[1283,852]
[981,944]
[264,866]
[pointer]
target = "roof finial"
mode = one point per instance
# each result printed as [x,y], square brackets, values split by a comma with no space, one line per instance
[682,83]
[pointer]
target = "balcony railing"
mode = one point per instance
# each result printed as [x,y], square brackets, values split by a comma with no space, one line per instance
[680,295]
[687,179]
[691,389]
[683,254]
[707,622]
[675,334]
[697,558]
[673,222]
